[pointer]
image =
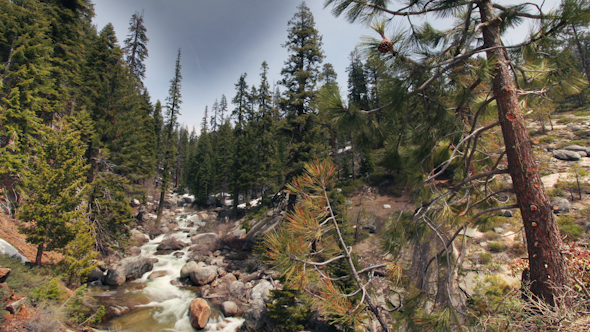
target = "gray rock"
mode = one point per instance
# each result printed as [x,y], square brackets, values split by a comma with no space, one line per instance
[96,274]
[157,274]
[15,306]
[204,238]
[170,244]
[560,205]
[129,269]
[505,213]
[114,277]
[134,251]
[255,317]
[261,291]
[236,289]
[239,233]
[189,267]
[229,309]
[203,275]
[566,155]
[577,148]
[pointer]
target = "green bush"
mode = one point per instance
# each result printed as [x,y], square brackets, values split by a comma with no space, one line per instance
[50,291]
[497,246]
[288,311]
[487,223]
[491,235]
[485,258]
[568,226]
[548,139]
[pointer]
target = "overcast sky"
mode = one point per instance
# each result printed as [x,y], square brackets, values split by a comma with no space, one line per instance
[221,39]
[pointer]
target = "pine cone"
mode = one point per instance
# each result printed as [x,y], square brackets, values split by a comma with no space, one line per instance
[385,45]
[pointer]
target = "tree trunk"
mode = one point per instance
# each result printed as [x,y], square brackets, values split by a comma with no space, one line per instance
[160,206]
[39,257]
[548,268]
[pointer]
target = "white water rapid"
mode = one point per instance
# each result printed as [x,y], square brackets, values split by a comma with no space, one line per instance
[163,306]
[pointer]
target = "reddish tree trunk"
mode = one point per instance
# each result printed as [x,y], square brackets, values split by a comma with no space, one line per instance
[39,257]
[548,269]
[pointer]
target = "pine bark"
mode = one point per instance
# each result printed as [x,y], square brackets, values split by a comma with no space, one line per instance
[548,269]
[39,258]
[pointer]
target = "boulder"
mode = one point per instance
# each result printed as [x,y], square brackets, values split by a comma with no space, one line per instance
[116,311]
[114,277]
[505,213]
[134,251]
[566,155]
[186,270]
[129,269]
[229,309]
[204,238]
[14,307]
[199,312]
[255,317]
[157,274]
[261,291]
[560,205]
[142,214]
[203,275]
[236,289]
[137,238]
[169,245]
[4,273]
[96,274]
[228,278]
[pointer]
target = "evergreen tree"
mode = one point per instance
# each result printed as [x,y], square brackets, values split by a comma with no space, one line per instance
[242,102]
[268,159]
[57,188]
[136,45]
[445,53]
[215,116]
[158,127]
[173,102]
[357,83]
[26,88]
[222,109]
[71,34]
[300,76]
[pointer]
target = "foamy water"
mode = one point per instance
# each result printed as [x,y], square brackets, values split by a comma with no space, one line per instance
[169,304]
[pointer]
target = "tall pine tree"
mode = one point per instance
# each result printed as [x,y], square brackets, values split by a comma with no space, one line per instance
[173,102]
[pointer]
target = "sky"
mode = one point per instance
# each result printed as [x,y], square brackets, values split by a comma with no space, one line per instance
[222,39]
[219,41]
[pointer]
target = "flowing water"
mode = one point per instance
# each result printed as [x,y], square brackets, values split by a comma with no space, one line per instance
[160,305]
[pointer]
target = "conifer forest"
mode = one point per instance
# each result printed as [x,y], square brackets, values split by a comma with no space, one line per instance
[446,187]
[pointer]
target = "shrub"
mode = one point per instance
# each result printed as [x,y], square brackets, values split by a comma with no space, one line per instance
[548,139]
[287,311]
[485,258]
[497,246]
[491,235]
[568,226]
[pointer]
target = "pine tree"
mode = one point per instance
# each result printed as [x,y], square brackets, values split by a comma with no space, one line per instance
[300,76]
[222,109]
[27,89]
[57,187]
[136,45]
[485,22]
[173,102]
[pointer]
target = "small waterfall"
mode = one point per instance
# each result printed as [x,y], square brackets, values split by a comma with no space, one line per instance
[163,306]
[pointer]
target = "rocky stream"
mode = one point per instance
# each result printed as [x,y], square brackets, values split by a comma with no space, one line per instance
[183,279]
